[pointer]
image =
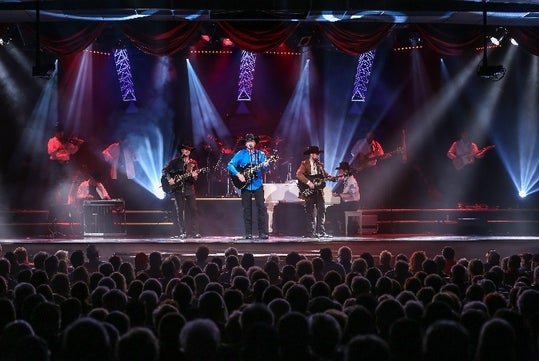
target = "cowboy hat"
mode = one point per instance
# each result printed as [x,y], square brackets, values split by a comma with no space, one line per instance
[185,146]
[343,166]
[313,149]
[250,137]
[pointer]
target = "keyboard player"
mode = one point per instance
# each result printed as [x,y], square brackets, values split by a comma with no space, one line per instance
[92,188]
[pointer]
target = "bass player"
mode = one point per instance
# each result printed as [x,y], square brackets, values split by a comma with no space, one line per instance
[246,168]
[366,152]
[184,191]
[311,177]
[463,151]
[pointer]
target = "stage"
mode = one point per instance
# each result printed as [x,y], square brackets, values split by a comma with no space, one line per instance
[470,246]
[472,232]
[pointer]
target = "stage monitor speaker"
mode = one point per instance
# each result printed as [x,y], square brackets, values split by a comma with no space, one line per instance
[472,225]
[104,217]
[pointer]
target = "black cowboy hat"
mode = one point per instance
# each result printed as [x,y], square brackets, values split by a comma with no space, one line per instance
[185,146]
[250,137]
[343,166]
[313,149]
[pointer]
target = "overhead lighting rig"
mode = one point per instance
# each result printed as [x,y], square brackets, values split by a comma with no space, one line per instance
[484,70]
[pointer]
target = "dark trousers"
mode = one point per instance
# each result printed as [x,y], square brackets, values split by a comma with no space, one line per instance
[315,224]
[186,212]
[262,217]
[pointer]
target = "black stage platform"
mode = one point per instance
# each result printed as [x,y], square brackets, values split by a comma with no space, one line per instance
[471,231]
[470,246]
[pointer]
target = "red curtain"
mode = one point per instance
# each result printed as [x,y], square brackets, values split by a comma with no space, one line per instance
[355,38]
[63,38]
[260,36]
[527,37]
[160,37]
[451,39]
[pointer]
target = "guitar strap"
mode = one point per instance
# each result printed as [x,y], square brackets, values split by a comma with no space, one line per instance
[255,160]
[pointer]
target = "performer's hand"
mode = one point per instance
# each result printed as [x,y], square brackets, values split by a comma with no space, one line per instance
[171,181]
[241,177]
[194,174]
[311,185]
[265,163]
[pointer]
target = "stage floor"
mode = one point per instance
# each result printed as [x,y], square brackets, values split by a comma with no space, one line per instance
[466,246]
[472,232]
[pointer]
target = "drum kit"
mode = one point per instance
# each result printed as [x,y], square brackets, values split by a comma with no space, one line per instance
[220,154]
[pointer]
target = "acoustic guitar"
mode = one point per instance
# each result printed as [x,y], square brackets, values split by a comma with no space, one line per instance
[319,182]
[249,172]
[179,179]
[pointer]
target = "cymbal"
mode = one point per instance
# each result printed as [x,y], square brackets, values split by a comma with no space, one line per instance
[264,138]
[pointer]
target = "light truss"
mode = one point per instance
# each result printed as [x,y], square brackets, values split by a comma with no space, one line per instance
[363,75]
[123,70]
[247,74]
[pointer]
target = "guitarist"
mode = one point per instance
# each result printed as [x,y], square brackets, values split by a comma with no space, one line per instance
[463,151]
[311,172]
[184,193]
[366,152]
[460,191]
[252,184]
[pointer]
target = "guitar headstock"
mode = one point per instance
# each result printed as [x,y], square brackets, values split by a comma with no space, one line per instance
[273,157]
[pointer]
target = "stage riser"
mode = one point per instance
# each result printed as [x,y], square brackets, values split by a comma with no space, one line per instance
[223,217]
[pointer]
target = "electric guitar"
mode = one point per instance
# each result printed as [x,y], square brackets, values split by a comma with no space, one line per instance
[249,172]
[462,161]
[362,162]
[319,182]
[179,180]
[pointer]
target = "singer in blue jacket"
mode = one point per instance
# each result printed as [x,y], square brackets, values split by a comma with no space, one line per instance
[246,168]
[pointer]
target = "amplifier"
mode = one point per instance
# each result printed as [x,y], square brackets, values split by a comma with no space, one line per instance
[104,217]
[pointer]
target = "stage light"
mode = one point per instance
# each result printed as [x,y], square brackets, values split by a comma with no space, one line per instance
[227,42]
[498,36]
[4,41]
[522,194]
[485,71]
[415,40]
[491,72]
[44,71]
[304,41]
[514,42]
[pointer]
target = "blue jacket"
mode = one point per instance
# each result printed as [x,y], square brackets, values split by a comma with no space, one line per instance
[244,158]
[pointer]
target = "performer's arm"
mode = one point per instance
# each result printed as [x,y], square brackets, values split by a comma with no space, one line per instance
[300,174]
[231,166]
[83,192]
[103,191]
[475,151]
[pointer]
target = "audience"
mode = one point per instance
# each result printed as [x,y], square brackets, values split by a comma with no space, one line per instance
[63,307]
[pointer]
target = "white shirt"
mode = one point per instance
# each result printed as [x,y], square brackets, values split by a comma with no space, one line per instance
[350,190]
